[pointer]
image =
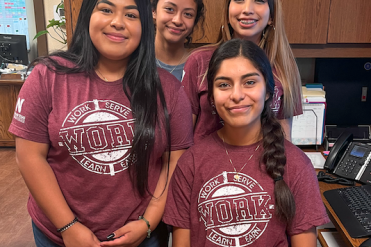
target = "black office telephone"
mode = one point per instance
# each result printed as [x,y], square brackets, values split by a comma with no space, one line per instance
[350,159]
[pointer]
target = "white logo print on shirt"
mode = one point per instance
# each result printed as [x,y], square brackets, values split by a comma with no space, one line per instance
[98,135]
[235,212]
[18,108]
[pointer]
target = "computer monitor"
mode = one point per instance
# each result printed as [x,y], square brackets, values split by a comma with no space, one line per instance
[13,49]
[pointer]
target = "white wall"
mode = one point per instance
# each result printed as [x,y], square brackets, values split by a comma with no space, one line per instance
[49,14]
[32,54]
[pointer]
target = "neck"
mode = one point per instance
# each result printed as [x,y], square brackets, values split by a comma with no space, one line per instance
[256,39]
[170,53]
[240,136]
[111,70]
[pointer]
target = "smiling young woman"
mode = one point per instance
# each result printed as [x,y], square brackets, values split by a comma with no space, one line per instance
[244,185]
[103,130]
[175,21]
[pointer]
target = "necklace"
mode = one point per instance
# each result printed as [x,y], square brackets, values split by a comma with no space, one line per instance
[158,62]
[104,78]
[236,176]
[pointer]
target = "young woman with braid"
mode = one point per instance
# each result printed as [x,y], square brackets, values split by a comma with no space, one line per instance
[244,184]
[259,21]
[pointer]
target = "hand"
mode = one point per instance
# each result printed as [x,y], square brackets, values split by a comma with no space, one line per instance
[79,235]
[130,235]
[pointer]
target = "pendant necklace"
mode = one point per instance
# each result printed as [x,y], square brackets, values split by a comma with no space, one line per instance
[158,62]
[104,78]
[236,176]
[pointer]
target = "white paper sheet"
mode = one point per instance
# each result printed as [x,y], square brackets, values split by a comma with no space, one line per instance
[333,239]
[317,159]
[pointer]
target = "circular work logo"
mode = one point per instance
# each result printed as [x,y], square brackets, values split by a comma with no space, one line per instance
[235,209]
[98,135]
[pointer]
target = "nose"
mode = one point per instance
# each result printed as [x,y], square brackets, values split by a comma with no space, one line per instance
[118,21]
[248,7]
[237,94]
[177,19]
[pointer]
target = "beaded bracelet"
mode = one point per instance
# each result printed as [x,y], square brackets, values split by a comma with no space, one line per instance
[148,225]
[62,229]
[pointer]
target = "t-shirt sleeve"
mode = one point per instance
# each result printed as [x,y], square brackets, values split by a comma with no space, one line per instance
[310,210]
[30,119]
[190,82]
[178,204]
[181,126]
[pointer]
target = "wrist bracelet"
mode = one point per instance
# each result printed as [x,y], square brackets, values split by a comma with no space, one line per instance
[62,229]
[148,225]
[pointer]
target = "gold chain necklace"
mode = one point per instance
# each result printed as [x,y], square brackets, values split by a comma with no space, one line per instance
[158,62]
[236,176]
[104,78]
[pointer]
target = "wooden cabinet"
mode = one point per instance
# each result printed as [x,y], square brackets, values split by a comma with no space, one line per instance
[327,21]
[9,90]
[350,21]
[306,22]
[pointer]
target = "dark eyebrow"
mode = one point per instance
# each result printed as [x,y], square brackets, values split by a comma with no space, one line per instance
[187,9]
[249,75]
[242,77]
[113,5]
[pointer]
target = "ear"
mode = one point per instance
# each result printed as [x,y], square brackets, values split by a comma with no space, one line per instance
[270,22]
[154,14]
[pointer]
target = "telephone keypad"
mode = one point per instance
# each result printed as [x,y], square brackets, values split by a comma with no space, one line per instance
[348,168]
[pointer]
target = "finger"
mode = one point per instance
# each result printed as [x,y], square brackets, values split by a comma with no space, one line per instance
[118,233]
[121,241]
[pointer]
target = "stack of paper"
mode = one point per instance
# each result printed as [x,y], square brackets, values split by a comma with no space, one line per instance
[313,93]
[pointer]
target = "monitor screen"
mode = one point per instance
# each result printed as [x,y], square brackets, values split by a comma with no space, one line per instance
[13,49]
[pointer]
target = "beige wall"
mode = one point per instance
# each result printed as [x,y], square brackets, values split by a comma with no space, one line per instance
[49,14]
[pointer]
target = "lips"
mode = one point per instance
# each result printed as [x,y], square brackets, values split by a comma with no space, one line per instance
[116,37]
[239,109]
[247,22]
[175,30]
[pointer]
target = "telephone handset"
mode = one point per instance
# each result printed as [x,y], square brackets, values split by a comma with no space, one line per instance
[350,159]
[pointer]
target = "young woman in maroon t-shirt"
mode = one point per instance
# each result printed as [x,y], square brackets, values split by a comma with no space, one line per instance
[261,22]
[244,185]
[99,131]
[175,21]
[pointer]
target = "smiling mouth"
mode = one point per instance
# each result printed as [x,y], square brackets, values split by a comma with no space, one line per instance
[238,109]
[247,22]
[116,38]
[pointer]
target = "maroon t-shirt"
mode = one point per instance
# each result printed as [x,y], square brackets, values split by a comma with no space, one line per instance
[195,85]
[220,210]
[89,126]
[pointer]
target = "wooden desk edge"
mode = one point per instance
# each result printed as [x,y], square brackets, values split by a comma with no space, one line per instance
[333,217]
[11,82]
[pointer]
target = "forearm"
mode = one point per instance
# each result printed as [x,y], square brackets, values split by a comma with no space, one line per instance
[305,239]
[181,237]
[42,183]
[156,207]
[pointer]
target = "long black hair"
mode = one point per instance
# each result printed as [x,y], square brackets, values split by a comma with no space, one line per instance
[200,16]
[141,84]
[273,156]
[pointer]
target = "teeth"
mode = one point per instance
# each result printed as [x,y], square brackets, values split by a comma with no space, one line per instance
[247,22]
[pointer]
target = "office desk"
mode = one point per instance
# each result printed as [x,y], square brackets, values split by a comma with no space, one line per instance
[9,89]
[335,220]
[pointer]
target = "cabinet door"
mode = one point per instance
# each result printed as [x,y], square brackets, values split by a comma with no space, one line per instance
[212,23]
[72,10]
[306,21]
[350,21]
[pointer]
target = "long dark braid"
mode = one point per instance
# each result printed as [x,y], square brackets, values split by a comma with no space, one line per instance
[273,157]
